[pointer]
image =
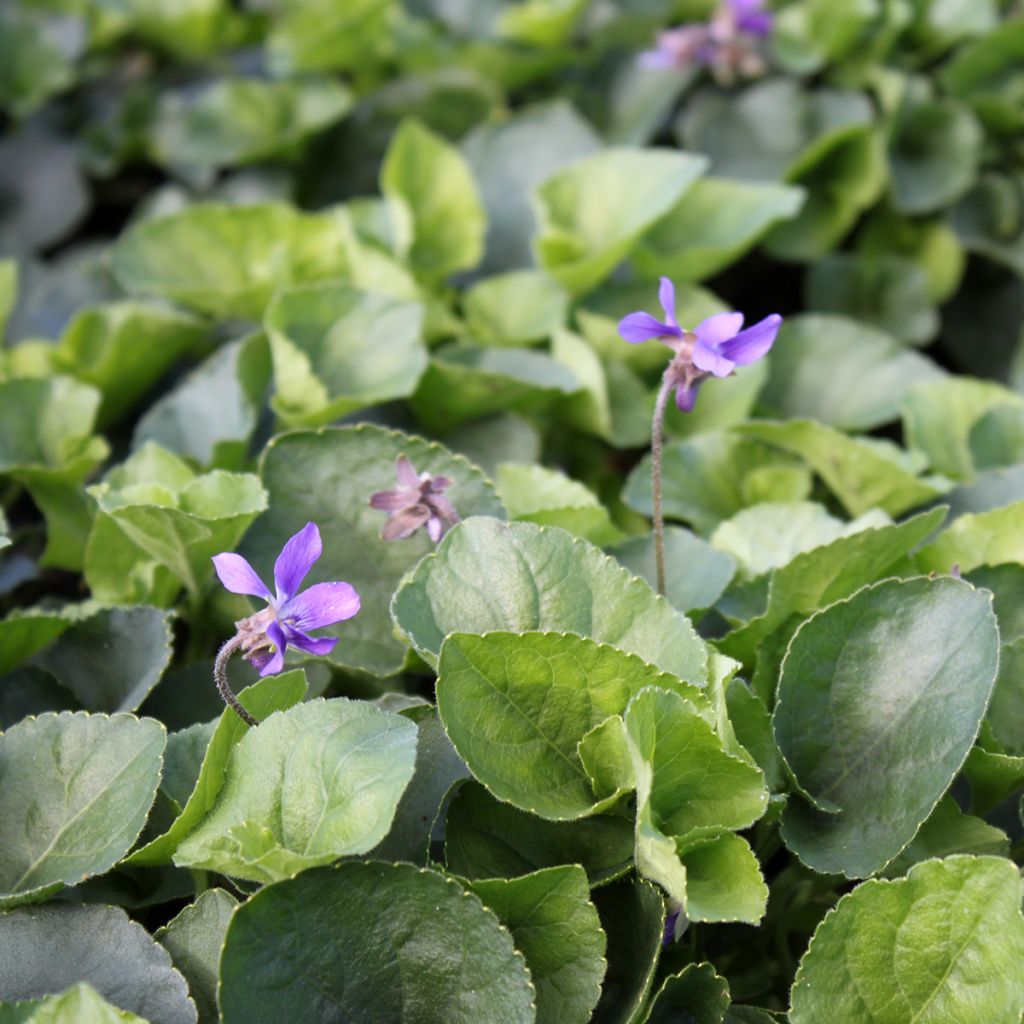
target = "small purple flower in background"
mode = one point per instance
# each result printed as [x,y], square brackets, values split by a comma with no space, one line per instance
[715,347]
[672,923]
[417,501]
[264,637]
[728,45]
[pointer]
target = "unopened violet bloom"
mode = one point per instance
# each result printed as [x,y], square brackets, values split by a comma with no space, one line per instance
[715,347]
[417,501]
[289,616]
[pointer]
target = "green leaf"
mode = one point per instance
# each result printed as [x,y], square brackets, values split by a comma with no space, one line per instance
[51,948]
[432,176]
[183,761]
[633,917]
[189,32]
[993,778]
[752,724]
[592,212]
[710,477]
[509,157]
[228,260]
[311,784]
[816,357]
[124,349]
[386,923]
[715,223]
[77,789]
[180,520]
[487,575]
[327,477]
[889,949]
[537,694]
[1006,711]
[516,308]
[556,928]
[487,838]
[697,993]
[986,73]
[934,155]
[210,415]
[697,573]
[938,417]
[329,358]
[464,382]
[234,121]
[24,632]
[80,1004]
[970,541]
[863,473]
[8,291]
[1007,585]
[275,693]
[438,769]
[835,725]
[37,56]
[112,659]
[194,938]
[47,445]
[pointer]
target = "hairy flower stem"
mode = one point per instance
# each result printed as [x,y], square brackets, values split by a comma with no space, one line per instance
[220,676]
[668,382]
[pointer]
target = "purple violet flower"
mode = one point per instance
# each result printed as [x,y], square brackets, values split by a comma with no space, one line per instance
[715,347]
[417,501]
[289,615]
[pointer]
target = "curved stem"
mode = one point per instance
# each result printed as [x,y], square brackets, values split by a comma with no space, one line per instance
[220,676]
[657,431]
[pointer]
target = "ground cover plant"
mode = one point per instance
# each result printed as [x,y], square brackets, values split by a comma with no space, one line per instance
[511,511]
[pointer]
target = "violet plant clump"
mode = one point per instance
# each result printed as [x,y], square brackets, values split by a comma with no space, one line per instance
[714,348]
[418,500]
[290,614]
[729,44]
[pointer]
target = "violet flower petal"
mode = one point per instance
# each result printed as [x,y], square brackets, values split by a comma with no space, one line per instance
[239,576]
[638,327]
[440,483]
[719,328]
[296,559]
[434,528]
[710,360]
[686,397]
[276,662]
[390,501]
[406,473]
[405,523]
[320,605]
[656,59]
[667,298]
[750,345]
[317,645]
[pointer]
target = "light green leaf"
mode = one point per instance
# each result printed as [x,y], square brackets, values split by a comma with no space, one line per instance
[817,356]
[985,72]
[487,838]
[430,174]
[124,348]
[80,1004]
[826,574]
[712,226]
[47,445]
[329,352]
[556,928]
[835,724]
[364,915]
[993,778]
[464,382]
[311,784]
[970,541]
[863,473]
[349,464]
[229,260]
[488,576]
[211,413]
[51,948]
[890,950]
[275,693]
[516,308]
[24,632]
[938,417]
[697,992]
[179,519]
[934,155]
[710,477]
[194,938]
[188,31]
[8,291]
[517,705]
[697,574]
[592,212]
[235,121]
[38,52]
[77,789]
